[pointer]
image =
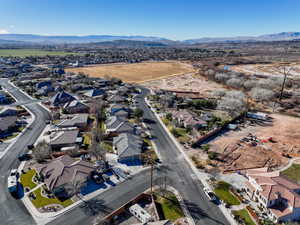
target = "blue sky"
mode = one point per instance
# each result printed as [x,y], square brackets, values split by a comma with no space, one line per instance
[174,19]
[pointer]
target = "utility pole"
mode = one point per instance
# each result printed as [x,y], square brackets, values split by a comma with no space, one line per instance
[151,179]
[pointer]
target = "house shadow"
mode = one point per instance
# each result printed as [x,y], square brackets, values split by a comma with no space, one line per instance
[133,163]
[92,186]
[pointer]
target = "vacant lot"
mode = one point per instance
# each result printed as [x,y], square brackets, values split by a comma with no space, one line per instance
[284,131]
[188,82]
[30,52]
[273,69]
[136,72]
[293,173]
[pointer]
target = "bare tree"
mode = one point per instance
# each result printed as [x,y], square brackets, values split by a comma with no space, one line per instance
[42,151]
[235,82]
[260,94]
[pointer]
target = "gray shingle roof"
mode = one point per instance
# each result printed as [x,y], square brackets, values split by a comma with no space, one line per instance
[128,145]
[74,121]
[6,122]
[64,137]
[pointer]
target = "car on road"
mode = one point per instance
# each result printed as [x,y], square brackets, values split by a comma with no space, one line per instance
[24,157]
[211,196]
[12,181]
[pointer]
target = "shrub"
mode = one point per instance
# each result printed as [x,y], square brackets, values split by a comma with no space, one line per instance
[260,94]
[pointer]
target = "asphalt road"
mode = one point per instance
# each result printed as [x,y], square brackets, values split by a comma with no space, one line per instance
[12,211]
[175,168]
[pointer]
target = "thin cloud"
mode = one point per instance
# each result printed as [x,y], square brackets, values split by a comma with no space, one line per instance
[3,31]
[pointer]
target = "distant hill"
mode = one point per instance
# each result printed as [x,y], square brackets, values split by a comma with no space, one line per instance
[283,36]
[42,39]
[127,44]
[45,40]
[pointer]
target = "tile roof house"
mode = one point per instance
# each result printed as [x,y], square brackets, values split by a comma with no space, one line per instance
[76,106]
[79,121]
[7,122]
[62,98]
[116,125]
[64,171]
[278,196]
[128,146]
[187,119]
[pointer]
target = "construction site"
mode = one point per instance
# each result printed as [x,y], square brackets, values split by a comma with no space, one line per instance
[258,143]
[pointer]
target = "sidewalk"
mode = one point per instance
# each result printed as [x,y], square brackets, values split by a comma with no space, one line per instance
[44,218]
[200,175]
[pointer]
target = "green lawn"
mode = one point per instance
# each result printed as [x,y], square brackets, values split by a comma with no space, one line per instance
[223,193]
[42,201]
[170,207]
[31,52]
[293,173]
[244,215]
[26,179]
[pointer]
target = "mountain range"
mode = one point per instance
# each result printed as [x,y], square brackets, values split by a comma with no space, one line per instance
[62,39]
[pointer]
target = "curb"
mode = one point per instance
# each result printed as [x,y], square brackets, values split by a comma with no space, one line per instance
[194,169]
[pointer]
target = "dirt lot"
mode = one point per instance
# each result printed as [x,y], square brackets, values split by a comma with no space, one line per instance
[136,72]
[188,82]
[267,69]
[237,155]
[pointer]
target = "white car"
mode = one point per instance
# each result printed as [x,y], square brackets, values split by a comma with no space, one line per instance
[211,196]
[12,181]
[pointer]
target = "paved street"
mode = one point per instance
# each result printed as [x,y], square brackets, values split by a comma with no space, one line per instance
[12,211]
[175,168]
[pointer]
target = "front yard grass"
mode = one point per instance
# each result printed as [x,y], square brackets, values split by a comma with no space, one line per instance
[41,201]
[223,192]
[244,215]
[26,179]
[293,173]
[170,206]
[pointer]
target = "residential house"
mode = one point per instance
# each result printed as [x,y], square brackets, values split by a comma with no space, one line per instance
[186,119]
[116,125]
[128,147]
[46,83]
[80,121]
[62,98]
[76,106]
[62,172]
[64,138]
[6,123]
[116,99]
[120,110]
[278,196]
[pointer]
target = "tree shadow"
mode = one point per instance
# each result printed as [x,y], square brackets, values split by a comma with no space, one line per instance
[94,206]
[198,214]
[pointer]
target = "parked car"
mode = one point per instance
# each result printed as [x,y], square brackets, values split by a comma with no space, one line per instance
[24,157]
[30,147]
[12,181]
[211,196]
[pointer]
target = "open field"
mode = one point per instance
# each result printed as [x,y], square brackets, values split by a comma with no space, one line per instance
[188,82]
[136,72]
[30,52]
[238,155]
[272,69]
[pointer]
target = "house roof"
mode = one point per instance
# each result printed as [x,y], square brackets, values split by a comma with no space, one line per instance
[6,122]
[272,185]
[188,118]
[128,145]
[61,98]
[113,122]
[64,170]
[94,92]
[74,121]
[75,103]
[64,137]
